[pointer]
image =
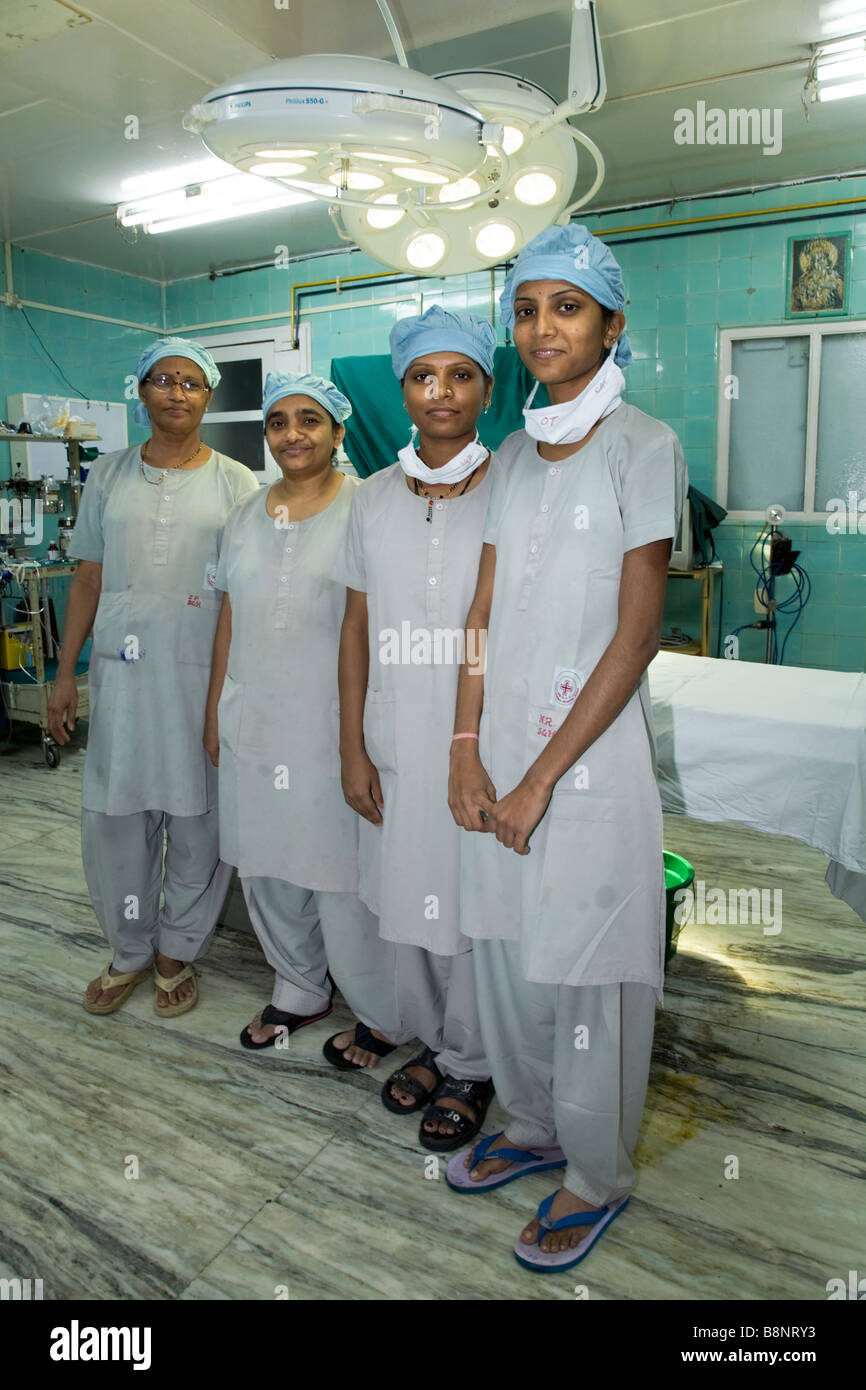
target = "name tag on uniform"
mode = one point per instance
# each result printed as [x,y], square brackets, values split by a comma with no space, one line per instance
[210,576]
[567,685]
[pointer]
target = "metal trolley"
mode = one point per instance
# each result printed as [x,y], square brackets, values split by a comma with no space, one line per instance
[26,701]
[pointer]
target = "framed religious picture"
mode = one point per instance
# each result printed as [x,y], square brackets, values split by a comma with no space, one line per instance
[818,275]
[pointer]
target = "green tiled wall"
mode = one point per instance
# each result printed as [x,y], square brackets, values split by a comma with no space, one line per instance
[683,285]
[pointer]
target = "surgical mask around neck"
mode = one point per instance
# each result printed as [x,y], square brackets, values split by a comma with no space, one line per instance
[571,421]
[462,464]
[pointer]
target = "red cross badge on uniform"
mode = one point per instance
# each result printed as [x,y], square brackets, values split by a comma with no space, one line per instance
[567,685]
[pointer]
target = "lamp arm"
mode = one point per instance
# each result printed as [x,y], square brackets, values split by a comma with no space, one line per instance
[393,31]
[562,219]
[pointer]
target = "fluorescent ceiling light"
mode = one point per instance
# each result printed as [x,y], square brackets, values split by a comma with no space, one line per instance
[848,67]
[832,63]
[843,89]
[176,224]
[177,176]
[194,205]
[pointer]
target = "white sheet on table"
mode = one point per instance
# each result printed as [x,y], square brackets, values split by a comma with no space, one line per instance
[779,748]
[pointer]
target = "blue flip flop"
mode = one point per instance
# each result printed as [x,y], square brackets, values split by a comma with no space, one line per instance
[523,1161]
[546,1262]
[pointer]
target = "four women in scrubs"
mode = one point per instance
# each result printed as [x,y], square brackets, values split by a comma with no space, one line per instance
[531,947]
[409,564]
[563,885]
[273,724]
[147,538]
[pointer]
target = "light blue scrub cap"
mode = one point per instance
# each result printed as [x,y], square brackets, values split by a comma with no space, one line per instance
[569,253]
[437,330]
[304,384]
[173,347]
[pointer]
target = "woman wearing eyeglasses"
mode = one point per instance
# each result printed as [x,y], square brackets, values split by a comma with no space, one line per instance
[147,540]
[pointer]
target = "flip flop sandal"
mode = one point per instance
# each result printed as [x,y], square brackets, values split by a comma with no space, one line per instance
[291,1023]
[522,1162]
[109,981]
[477,1094]
[421,1093]
[363,1038]
[170,983]
[544,1262]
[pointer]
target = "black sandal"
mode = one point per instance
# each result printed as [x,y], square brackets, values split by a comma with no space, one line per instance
[363,1038]
[477,1094]
[423,1095]
[291,1023]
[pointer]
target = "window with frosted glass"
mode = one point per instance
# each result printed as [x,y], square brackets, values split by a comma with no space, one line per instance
[840,466]
[768,424]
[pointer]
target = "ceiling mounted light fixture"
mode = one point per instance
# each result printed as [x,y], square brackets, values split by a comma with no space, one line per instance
[436,174]
[837,70]
[215,200]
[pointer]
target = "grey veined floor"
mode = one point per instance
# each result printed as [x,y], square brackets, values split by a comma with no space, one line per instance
[261,1171]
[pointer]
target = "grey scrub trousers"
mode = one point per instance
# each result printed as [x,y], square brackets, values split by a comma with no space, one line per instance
[571,936]
[149,787]
[283,818]
[570,1065]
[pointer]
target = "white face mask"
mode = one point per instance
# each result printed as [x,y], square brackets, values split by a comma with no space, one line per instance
[453,471]
[571,421]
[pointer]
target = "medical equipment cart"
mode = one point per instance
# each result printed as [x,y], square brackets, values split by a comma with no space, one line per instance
[25,697]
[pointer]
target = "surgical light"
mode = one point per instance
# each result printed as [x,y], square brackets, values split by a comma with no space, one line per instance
[380,217]
[285,154]
[278,169]
[421,175]
[447,150]
[355,178]
[495,241]
[425,250]
[454,192]
[535,189]
[512,140]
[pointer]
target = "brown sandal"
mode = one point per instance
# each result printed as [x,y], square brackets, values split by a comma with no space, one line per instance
[170,983]
[109,981]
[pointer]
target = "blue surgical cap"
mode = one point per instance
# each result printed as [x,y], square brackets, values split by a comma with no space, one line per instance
[437,330]
[173,347]
[303,384]
[573,254]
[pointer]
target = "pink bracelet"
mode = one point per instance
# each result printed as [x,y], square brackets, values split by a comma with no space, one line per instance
[463,736]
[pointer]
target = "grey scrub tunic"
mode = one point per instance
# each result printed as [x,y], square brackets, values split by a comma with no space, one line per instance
[282,810]
[587,903]
[419,579]
[154,628]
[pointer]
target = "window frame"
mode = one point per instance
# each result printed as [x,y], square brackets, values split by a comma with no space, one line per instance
[815,332]
[273,347]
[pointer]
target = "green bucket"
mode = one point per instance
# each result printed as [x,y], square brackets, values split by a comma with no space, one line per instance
[679,873]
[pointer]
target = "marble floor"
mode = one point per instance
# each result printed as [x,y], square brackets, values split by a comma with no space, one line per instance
[262,1176]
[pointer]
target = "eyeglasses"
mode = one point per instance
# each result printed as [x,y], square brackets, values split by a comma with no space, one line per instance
[163,382]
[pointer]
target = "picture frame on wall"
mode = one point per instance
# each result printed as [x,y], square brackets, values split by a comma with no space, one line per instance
[818,278]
